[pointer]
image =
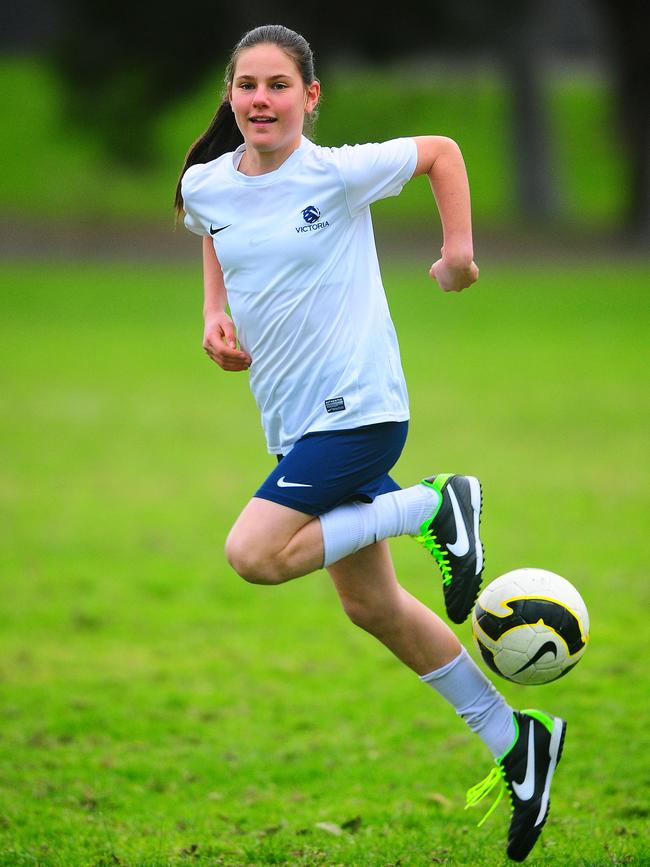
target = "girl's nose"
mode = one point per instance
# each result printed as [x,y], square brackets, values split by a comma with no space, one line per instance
[260,97]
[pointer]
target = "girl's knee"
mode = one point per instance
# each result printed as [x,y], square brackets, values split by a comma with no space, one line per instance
[368,613]
[251,562]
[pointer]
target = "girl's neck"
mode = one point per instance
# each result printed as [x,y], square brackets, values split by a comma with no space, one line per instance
[254,162]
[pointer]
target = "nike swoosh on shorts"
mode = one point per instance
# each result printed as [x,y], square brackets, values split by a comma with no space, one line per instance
[282,484]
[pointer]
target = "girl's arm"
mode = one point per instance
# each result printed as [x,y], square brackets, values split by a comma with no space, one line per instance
[219,338]
[441,160]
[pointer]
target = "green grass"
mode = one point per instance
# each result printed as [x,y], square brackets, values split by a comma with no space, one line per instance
[155,710]
[53,170]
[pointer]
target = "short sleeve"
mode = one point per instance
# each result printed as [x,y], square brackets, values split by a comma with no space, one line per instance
[191,220]
[374,171]
[192,223]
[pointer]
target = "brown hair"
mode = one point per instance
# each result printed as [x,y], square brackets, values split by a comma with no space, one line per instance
[223,134]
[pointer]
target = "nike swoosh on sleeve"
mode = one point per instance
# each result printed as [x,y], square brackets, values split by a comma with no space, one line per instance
[461,546]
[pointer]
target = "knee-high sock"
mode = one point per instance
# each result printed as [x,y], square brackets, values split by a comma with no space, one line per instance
[352,526]
[476,700]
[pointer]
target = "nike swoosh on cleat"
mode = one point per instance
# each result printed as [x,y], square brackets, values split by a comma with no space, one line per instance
[282,484]
[214,231]
[461,546]
[475,488]
[554,752]
[526,789]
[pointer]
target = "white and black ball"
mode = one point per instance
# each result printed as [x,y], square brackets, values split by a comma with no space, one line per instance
[530,625]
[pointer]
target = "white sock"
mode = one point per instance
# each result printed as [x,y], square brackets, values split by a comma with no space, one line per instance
[476,700]
[350,527]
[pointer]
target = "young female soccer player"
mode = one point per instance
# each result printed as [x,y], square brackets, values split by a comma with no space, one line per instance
[288,247]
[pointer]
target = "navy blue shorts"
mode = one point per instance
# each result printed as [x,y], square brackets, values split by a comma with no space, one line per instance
[327,468]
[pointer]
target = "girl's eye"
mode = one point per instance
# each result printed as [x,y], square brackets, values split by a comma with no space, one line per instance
[277,85]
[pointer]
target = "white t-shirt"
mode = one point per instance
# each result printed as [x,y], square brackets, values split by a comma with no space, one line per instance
[304,288]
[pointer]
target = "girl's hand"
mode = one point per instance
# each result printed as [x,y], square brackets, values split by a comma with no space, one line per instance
[452,277]
[220,344]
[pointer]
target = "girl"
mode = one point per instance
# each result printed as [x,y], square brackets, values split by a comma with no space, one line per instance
[288,247]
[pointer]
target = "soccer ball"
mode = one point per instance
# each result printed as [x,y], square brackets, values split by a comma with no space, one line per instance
[531,626]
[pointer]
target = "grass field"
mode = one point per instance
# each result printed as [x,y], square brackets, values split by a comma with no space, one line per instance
[155,710]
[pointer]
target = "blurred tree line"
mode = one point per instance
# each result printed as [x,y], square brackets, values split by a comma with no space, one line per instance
[124,62]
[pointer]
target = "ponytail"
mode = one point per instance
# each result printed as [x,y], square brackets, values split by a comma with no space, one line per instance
[221,137]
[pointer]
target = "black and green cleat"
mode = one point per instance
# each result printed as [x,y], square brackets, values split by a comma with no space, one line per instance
[451,535]
[525,771]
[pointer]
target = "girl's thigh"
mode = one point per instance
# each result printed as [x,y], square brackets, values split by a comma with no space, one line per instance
[266,525]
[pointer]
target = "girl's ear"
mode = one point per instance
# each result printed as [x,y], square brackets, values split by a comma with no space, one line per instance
[312,96]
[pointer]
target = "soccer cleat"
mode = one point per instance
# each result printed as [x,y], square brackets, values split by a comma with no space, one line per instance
[451,535]
[525,771]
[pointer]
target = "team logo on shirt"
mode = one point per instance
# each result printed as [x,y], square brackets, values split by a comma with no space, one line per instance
[311,215]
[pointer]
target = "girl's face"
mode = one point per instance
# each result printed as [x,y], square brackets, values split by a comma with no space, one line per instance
[269,99]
